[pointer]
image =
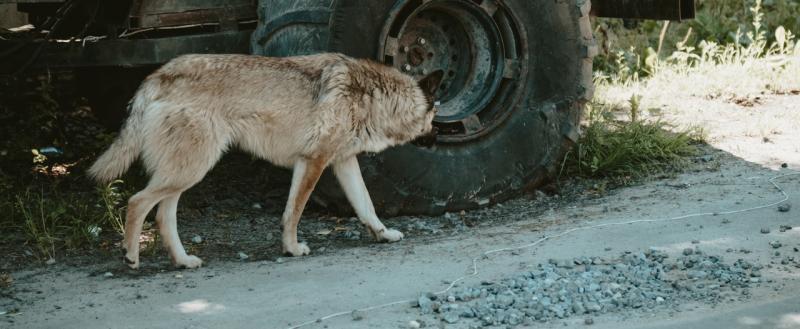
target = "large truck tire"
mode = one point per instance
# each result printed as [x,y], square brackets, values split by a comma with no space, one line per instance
[518,74]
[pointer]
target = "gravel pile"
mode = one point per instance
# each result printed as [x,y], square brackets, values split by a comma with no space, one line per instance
[590,286]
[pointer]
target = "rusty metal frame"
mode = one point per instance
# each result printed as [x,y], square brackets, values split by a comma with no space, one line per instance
[675,10]
[30,1]
[162,13]
[124,52]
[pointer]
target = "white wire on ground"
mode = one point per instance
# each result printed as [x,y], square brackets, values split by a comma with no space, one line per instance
[553,236]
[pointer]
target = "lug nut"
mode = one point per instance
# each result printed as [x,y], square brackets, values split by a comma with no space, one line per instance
[407,67]
[424,71]
[422,41]
[405,49]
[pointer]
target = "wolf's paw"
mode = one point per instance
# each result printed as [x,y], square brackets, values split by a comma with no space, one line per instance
[390,235]
[189,261]
[300,249]
[131,261]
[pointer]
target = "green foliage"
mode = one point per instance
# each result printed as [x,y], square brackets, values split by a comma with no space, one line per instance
[724,31]
[44,200]
[627,150]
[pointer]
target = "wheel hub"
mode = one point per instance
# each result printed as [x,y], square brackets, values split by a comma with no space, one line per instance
[476,48]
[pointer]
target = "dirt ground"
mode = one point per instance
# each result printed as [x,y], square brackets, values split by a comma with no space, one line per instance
[346,271]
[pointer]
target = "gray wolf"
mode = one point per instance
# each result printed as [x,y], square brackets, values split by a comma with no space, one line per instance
[305,113]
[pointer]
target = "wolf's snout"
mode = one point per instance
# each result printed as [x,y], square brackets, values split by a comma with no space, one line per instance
[428,139]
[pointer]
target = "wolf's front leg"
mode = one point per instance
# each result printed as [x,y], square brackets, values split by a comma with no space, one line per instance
[304,177]
[349,175]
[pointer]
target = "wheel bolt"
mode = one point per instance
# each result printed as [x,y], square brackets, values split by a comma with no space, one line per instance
[422,41]
[405,49]
[407,67]
[423,71]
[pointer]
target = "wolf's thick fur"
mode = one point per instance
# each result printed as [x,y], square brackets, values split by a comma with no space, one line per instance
[303,112]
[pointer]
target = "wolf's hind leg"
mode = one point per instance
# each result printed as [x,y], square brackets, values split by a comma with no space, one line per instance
[168,227]
[139,205]
[304,177]
[349,175]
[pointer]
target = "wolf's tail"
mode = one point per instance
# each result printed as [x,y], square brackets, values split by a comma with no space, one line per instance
[125,149]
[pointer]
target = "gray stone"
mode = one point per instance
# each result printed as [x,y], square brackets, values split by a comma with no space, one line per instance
[425,305]
[197,239]
[784,207]
[764,230]
[775,244]
[357,315]
[450,317]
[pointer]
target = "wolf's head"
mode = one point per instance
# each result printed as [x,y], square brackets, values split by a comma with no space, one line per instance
[414,107]
[393,108]
[428,86]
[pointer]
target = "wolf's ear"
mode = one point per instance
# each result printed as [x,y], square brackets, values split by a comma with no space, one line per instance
[430,83]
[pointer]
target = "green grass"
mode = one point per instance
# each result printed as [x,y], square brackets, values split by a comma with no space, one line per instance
[46,203]
[724,32]
[51,221]
[734,50]
[625,151]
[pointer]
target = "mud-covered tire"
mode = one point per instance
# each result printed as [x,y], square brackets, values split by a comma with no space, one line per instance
[290,28]
[520,139]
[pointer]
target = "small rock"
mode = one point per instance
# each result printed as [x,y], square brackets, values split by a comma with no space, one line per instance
[243,256]
[785,228]
[688,251]
[659,299]
[425,305]
[451,299]
[450,317]
[775,244]
[50,261]
[593,307]
[764,230]
[784,165]
[707,158]
[726,221]
[197,239]
[357,315]
[785,207]
[256,206]
[108,274]
[179,276]
[413,324]
[588,321]
[695,241]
